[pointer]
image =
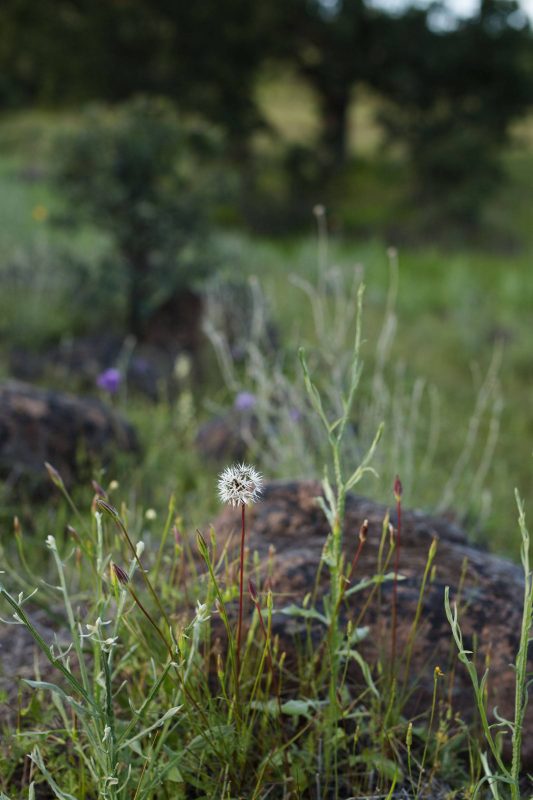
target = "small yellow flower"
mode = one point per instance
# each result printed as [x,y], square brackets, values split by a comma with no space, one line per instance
[40,213]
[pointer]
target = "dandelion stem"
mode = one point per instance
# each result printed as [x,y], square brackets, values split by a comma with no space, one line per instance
[241,588]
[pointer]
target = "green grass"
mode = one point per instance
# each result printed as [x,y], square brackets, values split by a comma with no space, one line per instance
[148,701]
[456,311]
[453,306]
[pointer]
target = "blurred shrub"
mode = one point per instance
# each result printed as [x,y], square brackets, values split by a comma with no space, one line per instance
[132,173]
[35,296]
[452,100]
[279,188]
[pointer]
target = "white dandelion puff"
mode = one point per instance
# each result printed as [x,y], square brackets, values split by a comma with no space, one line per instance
[240,484]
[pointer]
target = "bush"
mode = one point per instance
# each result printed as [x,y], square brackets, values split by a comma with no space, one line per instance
[131,172]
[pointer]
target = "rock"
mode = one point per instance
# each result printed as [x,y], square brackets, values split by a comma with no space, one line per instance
[80,360]
[226,437]
[71,433]
[172,332]
[176,325]
[489,594]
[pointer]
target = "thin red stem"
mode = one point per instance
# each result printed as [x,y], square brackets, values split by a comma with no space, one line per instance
[356,557]
[265,634]
[395,585]
[241,589]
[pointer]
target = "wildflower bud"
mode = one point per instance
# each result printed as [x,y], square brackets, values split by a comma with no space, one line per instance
[106,507]
[398,489]
[98,490]
[176,534]
[73,532]
[392,534]
[438,673]
[220,667]
[113,486]
[253,592]
[409,737]
[363,531]
[54,476]
[17,529]
[119,574]
[202,545]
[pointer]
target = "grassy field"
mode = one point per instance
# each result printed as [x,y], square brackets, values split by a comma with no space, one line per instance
[447,371]
[458,310]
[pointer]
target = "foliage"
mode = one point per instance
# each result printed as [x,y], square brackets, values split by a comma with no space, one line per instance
[452,87]
[452,100]
[503,774]
[144,699]
[130,172]
[281,430]
[333,46]
[113,51]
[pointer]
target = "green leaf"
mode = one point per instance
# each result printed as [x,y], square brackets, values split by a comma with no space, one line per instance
[363,468]
[302,708]
[51,687]
[174,775]
[384,766]
[306,613]
[328,553]
[365,669]
[358,634]
[37,759]
[364,583]
[217,733]
[328,513]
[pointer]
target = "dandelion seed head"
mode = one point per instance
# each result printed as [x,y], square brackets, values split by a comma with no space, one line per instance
[240,484]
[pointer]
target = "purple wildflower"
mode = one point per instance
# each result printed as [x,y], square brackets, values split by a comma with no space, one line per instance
[295,415]
[244,401]
[109,380]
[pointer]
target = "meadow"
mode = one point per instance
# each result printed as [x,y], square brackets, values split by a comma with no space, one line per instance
[442,340]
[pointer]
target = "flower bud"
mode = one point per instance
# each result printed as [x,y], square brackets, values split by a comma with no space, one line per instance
[253,592]
[398,489]
[119,574]
[54,476]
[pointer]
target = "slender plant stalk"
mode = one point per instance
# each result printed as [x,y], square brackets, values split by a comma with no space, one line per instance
[437,673]
[241,588]
[521,658]
[398,498]
[418,613]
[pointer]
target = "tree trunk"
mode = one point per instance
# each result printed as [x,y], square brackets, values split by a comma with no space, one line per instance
[334,107]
